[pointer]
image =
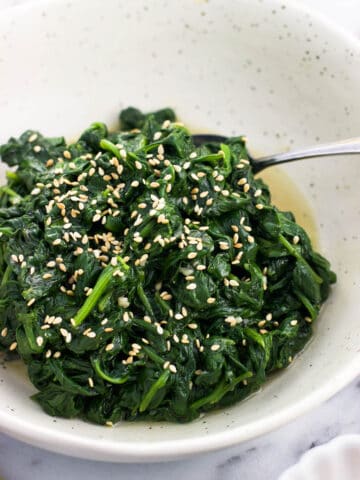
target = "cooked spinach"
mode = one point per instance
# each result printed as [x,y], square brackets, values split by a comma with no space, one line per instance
[145,278]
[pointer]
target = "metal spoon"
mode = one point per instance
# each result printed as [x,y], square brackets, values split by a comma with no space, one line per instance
[352,145]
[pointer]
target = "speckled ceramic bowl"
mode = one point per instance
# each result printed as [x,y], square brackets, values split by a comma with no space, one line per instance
[265,68]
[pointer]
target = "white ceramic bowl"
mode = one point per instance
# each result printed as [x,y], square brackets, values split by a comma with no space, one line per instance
[265,68]
[336,460]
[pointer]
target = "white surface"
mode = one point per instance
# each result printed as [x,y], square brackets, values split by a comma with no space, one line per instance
[164,470]
[338,459]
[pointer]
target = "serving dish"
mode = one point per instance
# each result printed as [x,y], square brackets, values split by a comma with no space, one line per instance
[338,458]
[270,70]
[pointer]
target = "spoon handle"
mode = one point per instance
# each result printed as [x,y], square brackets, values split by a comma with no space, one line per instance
[352,145]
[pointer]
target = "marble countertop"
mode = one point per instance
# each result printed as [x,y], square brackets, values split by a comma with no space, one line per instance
[263,458]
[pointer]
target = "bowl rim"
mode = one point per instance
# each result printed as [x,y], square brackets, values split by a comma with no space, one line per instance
[166,450]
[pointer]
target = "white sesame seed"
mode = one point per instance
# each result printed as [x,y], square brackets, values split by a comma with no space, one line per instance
[192,255]
[215,347]
[39,341]
[57,241]
[296,239]
[191,286]
[250,239]
[185,339]
[159,330]
[246,187]
[200,267]
[293,323]
[57,355]
[63,332]
[35,191]
[224,246]
[166,124]
[32,137]
[242,181]
[37,148]
[135,183]
[13,346]
[31,302]
[176,338]
[109,347]
[4,332]
[233,283]
[123,302]
[157,136]
[193,326]
[172,368]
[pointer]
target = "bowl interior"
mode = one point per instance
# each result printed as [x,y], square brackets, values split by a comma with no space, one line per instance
[265,69]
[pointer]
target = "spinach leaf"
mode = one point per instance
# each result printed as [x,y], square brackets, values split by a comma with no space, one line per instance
[144,277]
